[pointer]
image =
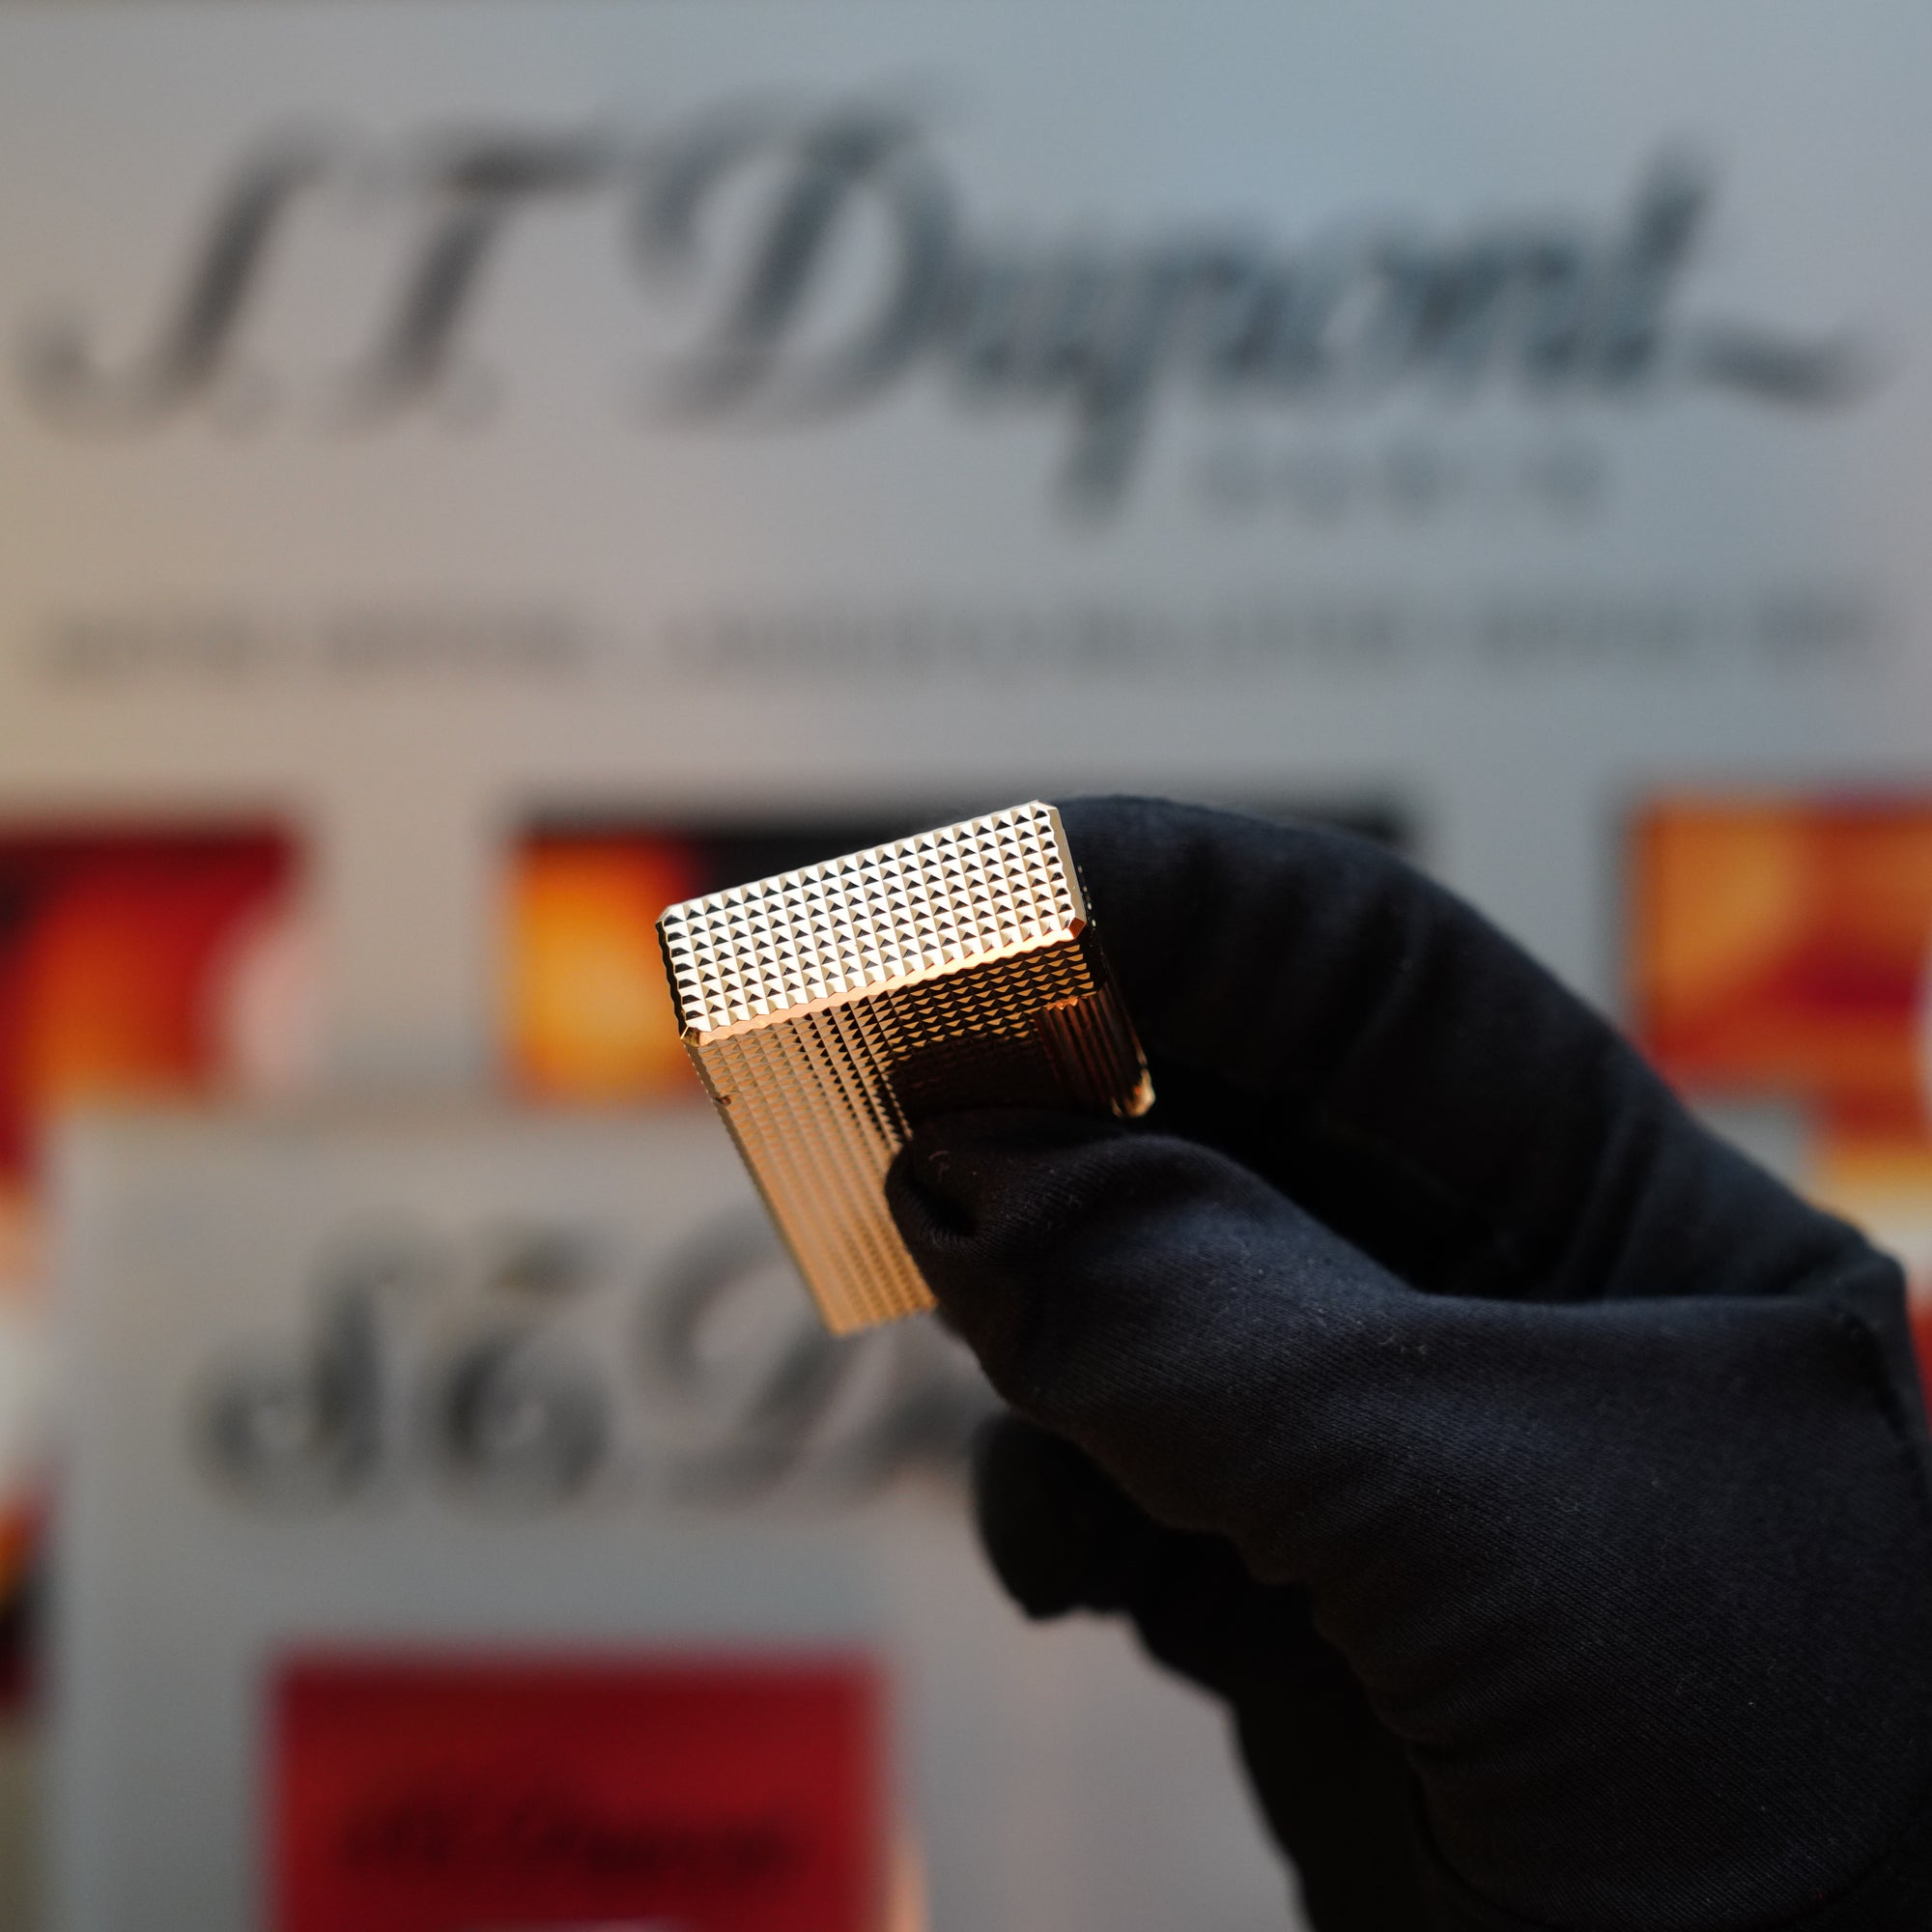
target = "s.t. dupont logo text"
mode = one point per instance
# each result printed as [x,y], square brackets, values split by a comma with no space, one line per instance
[547,1366]
[811,262]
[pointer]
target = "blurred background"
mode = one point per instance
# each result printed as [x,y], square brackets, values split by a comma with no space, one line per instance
[473,473]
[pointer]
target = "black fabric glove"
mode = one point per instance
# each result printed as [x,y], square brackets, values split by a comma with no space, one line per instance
[1544,1484]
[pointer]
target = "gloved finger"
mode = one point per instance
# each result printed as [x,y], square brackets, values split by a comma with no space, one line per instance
[1059,1535]
[1366,1040]
[1062,1536]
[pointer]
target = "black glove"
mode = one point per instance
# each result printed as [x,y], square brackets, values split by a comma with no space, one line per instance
[1544,1484]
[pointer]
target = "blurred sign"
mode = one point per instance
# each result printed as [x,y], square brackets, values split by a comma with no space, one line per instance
[428,419]
[485,1397]
[419,1794]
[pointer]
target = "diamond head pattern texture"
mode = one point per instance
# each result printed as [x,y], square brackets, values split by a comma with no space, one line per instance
[828,1009]
[860,921]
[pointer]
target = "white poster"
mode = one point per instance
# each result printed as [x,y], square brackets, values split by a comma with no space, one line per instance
[431,1390]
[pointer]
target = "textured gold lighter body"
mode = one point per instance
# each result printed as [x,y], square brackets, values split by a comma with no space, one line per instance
[829,1010]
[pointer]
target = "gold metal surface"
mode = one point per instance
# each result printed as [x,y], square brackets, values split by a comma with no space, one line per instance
[830,1011]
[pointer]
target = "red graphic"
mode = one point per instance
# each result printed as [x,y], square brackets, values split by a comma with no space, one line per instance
[1782,950]
[116,953]
[1781,947]
[492,1795]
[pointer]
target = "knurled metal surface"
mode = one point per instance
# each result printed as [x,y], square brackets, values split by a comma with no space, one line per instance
[828,1009]
[870,917]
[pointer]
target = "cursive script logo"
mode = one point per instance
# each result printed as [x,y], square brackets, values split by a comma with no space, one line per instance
[828,259]
[543,1366]
[541,1828]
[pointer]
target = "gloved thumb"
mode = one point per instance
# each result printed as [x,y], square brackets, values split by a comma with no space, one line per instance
[1145,1297]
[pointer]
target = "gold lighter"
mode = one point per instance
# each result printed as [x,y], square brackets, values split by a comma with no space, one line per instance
[830,1011]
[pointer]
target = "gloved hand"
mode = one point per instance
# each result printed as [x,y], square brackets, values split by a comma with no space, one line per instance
[1544,1486]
